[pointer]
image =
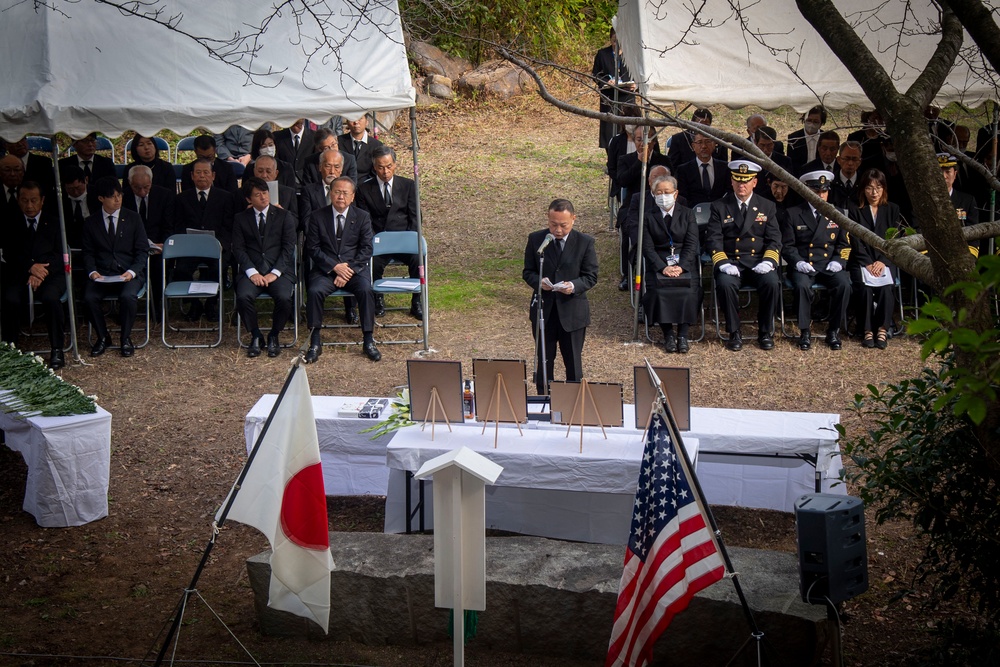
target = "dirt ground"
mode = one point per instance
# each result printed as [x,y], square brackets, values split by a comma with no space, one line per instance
[487,174]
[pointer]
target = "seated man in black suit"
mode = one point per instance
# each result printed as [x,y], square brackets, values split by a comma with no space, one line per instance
[802,143]
[816,251]
[844,189]
[94,166]
[826,154]
[570,271]
[11,175]
[391,201]
[361,145]
[339,245]
[264,250]
[294,144]
[705,178]
[204,149]
[682,148]
[78,203]
[32,250]
[36,167]
[115,248]
[265,168]
[204,207]
[765,141]
[315,196]
[155,206]
[326,140]
[744,240]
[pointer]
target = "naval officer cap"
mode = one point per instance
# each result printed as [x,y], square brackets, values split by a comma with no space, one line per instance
[817,180]
[743,171]
[946,160]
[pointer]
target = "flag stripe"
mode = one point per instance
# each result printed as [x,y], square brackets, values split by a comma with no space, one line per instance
[671,555]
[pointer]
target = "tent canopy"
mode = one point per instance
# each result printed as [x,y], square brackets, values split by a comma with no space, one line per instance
[80,67]
[748,58]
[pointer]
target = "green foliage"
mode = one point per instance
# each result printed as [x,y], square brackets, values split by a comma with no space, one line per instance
[29,387]
[919,460]
[546,29]
[972,383]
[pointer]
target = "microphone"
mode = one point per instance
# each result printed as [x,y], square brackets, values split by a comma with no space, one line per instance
[548,239]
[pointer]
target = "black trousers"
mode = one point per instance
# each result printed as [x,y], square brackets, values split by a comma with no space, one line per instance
[280,292]
[768,286]
[570,347]
[321,286]
[15,303]
[128,304]
[838,286]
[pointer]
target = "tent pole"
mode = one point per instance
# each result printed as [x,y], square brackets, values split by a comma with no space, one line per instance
[415,145]
[67,253]
[637,283]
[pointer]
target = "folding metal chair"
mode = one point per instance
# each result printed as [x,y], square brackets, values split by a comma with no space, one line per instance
[191,246]
[30,334]
[294,317]
[144,297]
[400,243]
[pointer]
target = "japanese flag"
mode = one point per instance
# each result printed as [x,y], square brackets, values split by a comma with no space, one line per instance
[282,496]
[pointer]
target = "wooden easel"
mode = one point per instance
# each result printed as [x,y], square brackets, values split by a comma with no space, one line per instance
[493,412]
[580,405]
[432,412]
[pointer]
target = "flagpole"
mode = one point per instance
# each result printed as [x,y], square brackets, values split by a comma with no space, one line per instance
[217,524]
[756,634]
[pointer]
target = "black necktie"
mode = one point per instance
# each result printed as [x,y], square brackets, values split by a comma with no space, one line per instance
[706,182]
[12,196]
[143,211]
[357,148]
[33,224]
[388,196]
[202,198]
[86,168]
[111,228]
[743,210]
[295,143]
[338,230]
[260,224]
[78,212]
[819,219]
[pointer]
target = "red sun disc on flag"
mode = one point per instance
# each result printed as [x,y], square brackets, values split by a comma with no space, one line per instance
[303,509]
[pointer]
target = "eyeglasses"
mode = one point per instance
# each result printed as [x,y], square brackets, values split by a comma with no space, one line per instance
[873,188]
[849,159]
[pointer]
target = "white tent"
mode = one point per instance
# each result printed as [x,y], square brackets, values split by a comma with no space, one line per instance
[768,55]
[80,67]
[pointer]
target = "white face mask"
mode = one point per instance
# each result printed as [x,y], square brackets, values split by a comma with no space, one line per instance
[664,201]
[810,127]
[268,150]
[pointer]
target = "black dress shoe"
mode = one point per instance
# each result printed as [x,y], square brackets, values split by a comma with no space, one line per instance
[253,350]
[805,340]
[623,285]
[670,342]
[57,360]
[273,346]
[100,346]
[416,311]
[371,351]
[127,349]
[682,345]
[735,342]
[833,339]
[351,316]
[766,340]
[379,305]
[312,354]
[227,282]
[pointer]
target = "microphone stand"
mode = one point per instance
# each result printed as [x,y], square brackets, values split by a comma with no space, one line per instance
[540,328]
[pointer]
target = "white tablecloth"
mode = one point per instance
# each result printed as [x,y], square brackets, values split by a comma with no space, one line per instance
[69,465]
[353,464]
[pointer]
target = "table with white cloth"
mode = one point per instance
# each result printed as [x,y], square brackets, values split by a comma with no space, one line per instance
[69,465]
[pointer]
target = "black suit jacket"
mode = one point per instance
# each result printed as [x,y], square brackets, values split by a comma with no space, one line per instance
[276,250]
[355,244]
[803,239]
[310,173]
[39,170]
[689,182]
[225,178]
[74,227]
[100,167]
[763,188]
[217,215]
[681,234]
[743,241]
[863,254]
[160,212]
[816,165]
[401,216]
[128,252]
[163,175]
[798,150]
[681,151]
[578,264]
[365,167]
[287,152]
[312,198]
[22,248]
[841,196]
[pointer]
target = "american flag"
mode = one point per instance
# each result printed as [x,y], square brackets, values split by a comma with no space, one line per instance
[671,554]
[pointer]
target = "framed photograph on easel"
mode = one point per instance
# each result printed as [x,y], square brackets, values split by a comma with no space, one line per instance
[435,391]
[600,406]
[501,390]
[676,385]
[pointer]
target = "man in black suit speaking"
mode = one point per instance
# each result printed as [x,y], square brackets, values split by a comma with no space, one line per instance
[264,251]
[570,271]
[339,245]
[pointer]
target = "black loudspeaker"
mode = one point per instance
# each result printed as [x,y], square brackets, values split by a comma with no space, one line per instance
[833,560]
